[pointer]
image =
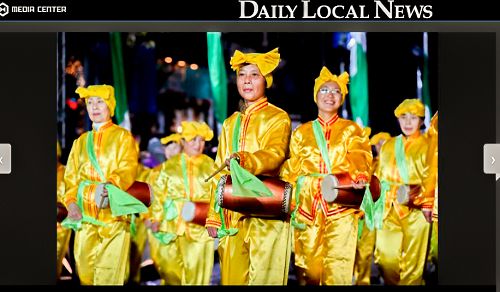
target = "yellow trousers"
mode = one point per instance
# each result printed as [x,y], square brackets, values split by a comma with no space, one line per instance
[136,249]
[401,247]
[63,237]
[186,261]
[364,255]
[102,253]
[259,254]
[433,252]
[326,250]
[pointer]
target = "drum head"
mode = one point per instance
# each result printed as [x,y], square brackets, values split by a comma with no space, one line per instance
[403,195]
[328,189]
[188,211]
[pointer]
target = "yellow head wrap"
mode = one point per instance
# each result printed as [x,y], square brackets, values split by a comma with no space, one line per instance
[380,136]
[59,151]
[326,76]
[412,106]
[106,92]
[265,62]
[192,129]
[176,137]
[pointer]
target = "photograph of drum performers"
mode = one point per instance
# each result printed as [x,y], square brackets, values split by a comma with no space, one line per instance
[255,158]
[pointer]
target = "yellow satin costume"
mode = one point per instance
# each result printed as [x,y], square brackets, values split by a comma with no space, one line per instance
[364,250]
[138,242]
[259,254]
[102,252]
[63,234]
[325,250]
[189,258]
[401,244]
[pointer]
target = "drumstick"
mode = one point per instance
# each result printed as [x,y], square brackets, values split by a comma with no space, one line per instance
[345,187]
[216,172]
[101,202]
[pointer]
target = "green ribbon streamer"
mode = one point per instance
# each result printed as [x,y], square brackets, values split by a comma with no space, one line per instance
[399,149]
[374,212]
[321,141]
[170,210]
[164,237]
[133,226]
[246,184]
[235,142]
[361,222]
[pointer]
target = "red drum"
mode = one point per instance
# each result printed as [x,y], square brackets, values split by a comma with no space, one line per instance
[277,206]
[62,212]
[142,192]
[337,188]
[195,212]
[407,195]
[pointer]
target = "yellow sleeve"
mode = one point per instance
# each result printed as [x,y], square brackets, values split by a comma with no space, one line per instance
[273,148]
[159,189]
[71,174]
[359,155]
[124,175]
[291,168]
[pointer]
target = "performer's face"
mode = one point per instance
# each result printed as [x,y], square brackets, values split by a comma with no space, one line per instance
[251,84]
[329,98]
[194,147]
[409,123]
[172,149]
[98,110]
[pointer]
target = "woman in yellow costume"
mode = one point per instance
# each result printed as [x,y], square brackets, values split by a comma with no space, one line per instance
[101,165]
[184,252]
[401,244]
[366,242]
[63,234]
[253,251]
[173,147]
[326,234]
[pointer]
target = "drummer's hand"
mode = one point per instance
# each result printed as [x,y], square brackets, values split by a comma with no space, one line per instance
[359,184]
[228,161]
[427,215]
[148,223]
[74,212]
[155,226]
[212,231]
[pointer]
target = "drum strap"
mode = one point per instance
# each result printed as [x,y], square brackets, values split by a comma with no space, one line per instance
[399,150]
[321,141]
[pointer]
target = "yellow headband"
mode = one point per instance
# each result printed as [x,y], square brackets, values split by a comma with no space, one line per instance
[192,129]
[176,137]
[265,62]
[380,136]
[412,106]
[326,76]
[106,92]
